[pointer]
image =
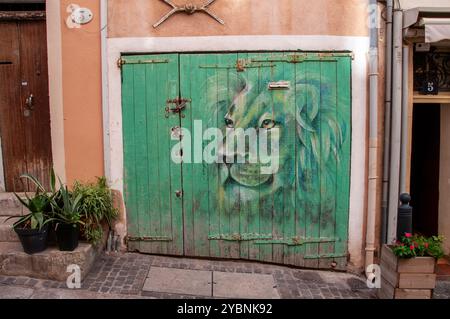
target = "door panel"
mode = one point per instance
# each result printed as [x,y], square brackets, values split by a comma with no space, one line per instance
[298,214]
[25,128]
[151,177]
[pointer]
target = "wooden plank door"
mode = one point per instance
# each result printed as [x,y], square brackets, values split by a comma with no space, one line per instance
[24,103]
[299,214]
[151,178]
[215,207]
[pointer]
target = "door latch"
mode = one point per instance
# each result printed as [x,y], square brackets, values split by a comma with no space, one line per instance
[29,102]
[180,105]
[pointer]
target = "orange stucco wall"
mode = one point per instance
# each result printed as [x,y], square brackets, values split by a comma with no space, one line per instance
[242,17]
[82,88]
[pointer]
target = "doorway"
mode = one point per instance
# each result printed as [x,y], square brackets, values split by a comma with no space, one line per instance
[296,214]
[425,168]
[24,99]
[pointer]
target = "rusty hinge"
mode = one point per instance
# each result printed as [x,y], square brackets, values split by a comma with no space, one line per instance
[121,61]
[148,238]
[240,66]
[325,256]
[240,237]
[297,241]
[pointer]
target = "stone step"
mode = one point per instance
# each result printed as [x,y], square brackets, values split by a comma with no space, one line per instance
[51,264]
[10,205]
[7,233]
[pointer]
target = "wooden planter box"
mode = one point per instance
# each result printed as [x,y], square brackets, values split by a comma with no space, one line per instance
[413,278]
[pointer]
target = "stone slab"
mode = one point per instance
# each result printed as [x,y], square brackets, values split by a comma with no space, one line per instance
[10,205]
[7,233]
[50,294]
[244,286]
[179,281]
[9,292]
[50,264]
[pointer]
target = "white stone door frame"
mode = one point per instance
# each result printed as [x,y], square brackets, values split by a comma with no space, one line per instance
[359,46]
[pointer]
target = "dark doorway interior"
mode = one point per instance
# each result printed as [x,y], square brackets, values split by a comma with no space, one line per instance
[425,168]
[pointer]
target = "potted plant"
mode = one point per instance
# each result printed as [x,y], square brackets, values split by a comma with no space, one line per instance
[408,267]
[32,228]
[96,209]
[68,218]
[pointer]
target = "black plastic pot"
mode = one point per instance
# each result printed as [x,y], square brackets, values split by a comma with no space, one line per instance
[33,240]
[67,236]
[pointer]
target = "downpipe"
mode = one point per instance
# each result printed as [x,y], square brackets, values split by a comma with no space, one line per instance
[373,143]
[387,121]
[396,124]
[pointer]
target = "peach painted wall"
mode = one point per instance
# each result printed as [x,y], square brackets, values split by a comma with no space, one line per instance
[242,17]
[82,100]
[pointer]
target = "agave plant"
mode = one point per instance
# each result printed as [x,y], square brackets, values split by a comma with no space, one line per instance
[39,206]
[67,208]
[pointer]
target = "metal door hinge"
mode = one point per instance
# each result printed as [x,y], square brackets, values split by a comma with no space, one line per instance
[239,237]
[148,238]
[297,241]
[121,61]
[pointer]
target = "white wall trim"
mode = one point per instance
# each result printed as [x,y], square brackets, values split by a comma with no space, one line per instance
[358,45]
[54,45]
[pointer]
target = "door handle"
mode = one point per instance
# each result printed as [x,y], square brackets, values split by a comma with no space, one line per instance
[29,102]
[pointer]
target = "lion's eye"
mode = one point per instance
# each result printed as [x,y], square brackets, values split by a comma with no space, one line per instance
[229,123]
[268,124]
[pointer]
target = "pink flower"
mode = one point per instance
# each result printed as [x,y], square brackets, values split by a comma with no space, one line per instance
[412,247]
[427,245]
[408,235]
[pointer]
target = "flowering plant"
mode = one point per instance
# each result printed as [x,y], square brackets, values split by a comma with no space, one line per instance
[410,246]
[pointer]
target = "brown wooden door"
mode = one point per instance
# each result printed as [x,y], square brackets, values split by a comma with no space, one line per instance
[24,103]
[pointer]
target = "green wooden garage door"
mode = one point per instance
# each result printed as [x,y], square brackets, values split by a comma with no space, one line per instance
[297,215]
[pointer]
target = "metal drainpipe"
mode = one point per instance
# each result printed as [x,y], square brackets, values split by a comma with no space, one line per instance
[396,124]
[405,109]
[373,144]
[387,120]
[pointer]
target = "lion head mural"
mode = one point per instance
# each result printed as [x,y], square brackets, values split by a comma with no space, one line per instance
[304,118]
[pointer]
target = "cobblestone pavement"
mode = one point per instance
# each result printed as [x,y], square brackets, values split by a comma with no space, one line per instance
[125,274]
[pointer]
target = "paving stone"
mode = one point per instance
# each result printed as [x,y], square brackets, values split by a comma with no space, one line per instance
[10,292]
[244,286]
[178,281]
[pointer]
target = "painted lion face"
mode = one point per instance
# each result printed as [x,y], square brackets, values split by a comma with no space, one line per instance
[305,129]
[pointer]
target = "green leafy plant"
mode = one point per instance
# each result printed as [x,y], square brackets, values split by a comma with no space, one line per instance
[410,246]
[67,207]
[39,206]
[96,208]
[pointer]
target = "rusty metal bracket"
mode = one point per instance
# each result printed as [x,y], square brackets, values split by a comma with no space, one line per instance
[189,9]
[180,105]
[241,65]
[148,238]
[121,61]
[297,241]
[325,256]
[240,237]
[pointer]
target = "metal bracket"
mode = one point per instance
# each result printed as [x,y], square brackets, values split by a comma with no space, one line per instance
[180,105]
[189,9]
[240,237]
[297,241]
[148,238]
[325,256]
[241,65]
[121,61]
